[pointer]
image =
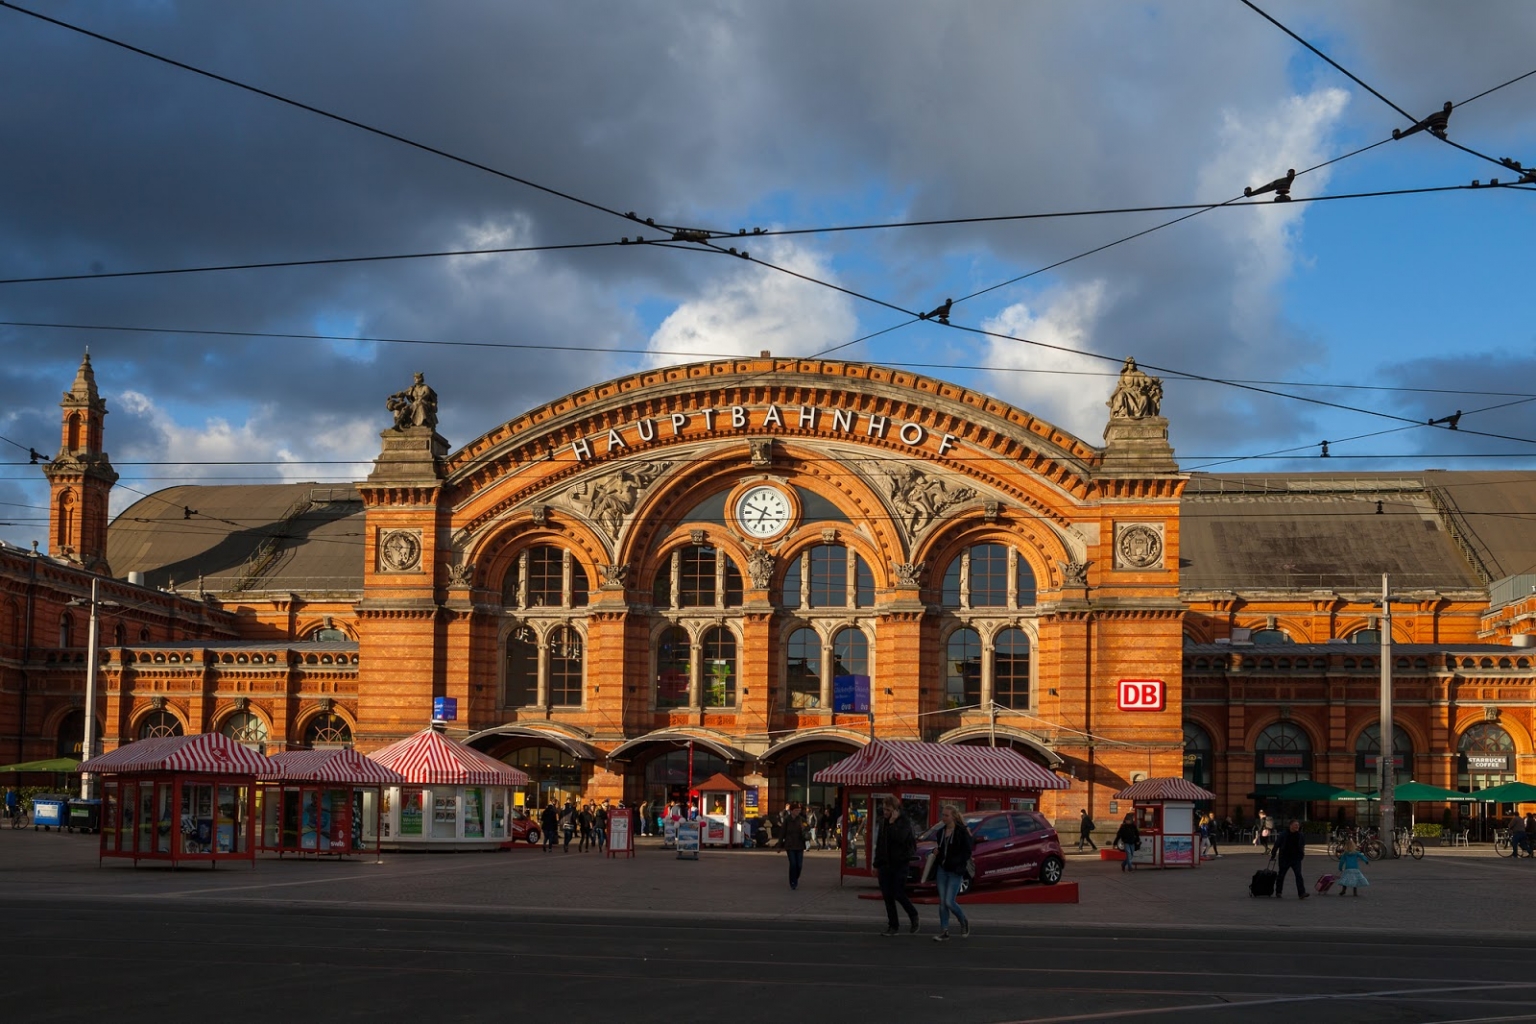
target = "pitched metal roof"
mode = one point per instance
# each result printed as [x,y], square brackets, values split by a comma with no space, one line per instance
[304,537]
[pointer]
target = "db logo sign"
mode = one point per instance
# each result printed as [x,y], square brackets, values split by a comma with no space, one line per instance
[1142,695]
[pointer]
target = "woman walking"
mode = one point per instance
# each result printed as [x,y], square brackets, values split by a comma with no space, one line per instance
[952,855]
[1128,839]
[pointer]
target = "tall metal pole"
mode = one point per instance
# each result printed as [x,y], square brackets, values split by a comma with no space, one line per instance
[1385,759]
[88,747]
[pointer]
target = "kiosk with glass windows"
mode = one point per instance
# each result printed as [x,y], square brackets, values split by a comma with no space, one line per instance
[179,798]
[1164,810]
[452,798]
[323,802]
[925,777]
[719,799]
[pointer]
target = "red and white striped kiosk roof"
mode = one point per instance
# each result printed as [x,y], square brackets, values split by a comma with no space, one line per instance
[208,753]
[883,761]
[431,759]
[1164,788]
[340,765]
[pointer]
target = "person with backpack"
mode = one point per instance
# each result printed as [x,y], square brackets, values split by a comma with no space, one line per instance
[895,846]
[1085,830]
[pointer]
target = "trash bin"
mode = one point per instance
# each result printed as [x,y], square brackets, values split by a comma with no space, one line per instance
[85,815]
[49,811]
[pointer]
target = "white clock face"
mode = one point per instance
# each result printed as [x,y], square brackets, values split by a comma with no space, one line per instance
[763,512]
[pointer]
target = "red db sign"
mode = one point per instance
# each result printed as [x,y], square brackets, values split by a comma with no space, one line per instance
[1142,695]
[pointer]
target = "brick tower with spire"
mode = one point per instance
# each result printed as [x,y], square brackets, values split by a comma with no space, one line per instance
[80,477]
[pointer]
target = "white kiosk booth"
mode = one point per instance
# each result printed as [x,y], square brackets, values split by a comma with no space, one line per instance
[453,797]
[720,799]
[1165,817]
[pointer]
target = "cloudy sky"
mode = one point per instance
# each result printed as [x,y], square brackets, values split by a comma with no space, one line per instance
[729,115]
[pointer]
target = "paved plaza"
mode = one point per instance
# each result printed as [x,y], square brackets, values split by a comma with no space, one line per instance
[494,936]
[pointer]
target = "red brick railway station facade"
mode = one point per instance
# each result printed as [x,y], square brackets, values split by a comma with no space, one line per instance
[755,564]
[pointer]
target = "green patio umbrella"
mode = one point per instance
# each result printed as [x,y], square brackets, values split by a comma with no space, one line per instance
[1509,793]
[1307,790]
[1349,794]
[1420,792]
[52,764]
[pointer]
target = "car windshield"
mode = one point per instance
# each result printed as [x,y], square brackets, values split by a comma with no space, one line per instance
[971,821]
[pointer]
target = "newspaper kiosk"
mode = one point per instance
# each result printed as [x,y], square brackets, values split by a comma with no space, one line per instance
[1165,817]
[924,777]
[453,796]
[322,802]
[719,810]
[179,799]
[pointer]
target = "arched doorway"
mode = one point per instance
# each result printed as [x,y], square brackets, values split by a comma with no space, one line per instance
[1282,755]
[553,774]
[1368,766]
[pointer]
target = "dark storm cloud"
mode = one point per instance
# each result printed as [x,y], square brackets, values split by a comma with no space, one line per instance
[725,114]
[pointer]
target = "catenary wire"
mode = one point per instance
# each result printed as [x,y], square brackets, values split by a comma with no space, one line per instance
[631,350]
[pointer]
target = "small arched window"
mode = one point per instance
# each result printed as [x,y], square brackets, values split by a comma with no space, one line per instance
[245,727]
[1270,636]
[327,730]
[66,630]
[159,723]
[963,661]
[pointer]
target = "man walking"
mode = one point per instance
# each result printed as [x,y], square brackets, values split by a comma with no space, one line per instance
[549,822]
[895,847]
[1290,849]
[1085,830]
[794,843]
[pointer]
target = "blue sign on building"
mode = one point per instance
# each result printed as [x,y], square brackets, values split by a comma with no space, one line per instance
[850,694]
[445,709]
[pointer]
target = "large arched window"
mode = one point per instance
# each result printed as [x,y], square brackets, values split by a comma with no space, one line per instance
[719,668]
[1270,636]
[828,576]
[159,723]
[802,674]
[989,576]
[697,576]
[1487,757]
[247,728]
[674,663]
[1368,757]
[1197,755]
[327,729]
[1010,668]
[522,668]
[963,669]
[1282,755]
[565,664]
[545,577]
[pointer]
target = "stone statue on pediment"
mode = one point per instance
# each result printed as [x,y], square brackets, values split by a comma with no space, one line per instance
[416,406]
[1137,396]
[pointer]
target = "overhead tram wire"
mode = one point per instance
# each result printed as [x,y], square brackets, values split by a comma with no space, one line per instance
[623,350]
[709,241]
[1358,81]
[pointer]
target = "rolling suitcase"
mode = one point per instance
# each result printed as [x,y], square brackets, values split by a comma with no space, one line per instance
[1265,882]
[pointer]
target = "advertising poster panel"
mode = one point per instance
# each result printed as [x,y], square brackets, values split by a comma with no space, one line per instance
[621,833]
[687,840]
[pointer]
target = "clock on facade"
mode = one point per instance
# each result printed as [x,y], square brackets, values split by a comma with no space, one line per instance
[764,511]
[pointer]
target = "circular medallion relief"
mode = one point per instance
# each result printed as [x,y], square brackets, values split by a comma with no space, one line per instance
[764,511]
[400,551]
[1139,547]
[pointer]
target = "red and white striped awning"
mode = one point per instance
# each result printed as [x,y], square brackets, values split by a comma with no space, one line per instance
[208,753]
[340,765]
[431,759]
[886,761]
[1165,788]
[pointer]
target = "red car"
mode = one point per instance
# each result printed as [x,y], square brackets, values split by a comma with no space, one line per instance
[1010,846]
[523,827]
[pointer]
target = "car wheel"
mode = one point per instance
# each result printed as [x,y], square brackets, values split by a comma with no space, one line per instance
[533,837]
[1050,871]
[965,883]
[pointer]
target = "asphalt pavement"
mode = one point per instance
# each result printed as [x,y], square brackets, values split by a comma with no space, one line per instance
[495,936]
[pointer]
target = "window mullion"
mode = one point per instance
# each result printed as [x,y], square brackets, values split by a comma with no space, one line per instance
[826,671]
[1013,578]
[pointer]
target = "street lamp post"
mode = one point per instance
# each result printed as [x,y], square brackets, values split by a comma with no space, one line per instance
[1386,757]
[88,744]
